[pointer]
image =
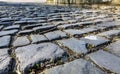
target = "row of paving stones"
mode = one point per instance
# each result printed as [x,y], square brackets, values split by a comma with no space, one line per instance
[33,49]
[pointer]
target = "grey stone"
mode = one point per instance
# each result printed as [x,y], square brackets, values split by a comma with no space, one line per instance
[74,32]
[35,53]
[25,32]
[41,28]
[78,66]
[31,26]
[4,61]
[12,27]
[21,41]
[5,41]
[74,45]
[52,36]
[114,48]
[106,60]
[38,38]
[94,40]
[110,33]
[8,32]
[65,26]
[62,34]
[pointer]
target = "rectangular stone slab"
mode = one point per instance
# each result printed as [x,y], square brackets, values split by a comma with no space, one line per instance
[114,48]
[52,36]
[4,61]
[110,33]
[9,32]
[106,60]
[78,66]
[5,41]
[35,53]
[38,38]
[21,41]
[74,45]
[94,40]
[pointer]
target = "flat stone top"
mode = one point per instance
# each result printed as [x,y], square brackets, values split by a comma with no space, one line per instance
[106,60]
[21,41]
[114,48]
[78,66]
[94,40]
[4,61]
[109,33]
[28,58]
[12,27]
[75,45]
[5,41]
[10,32]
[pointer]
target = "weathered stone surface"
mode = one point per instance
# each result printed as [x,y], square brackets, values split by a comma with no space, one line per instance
[94,40]
[52,36]
[4,61]
[74,32]
[74,45]
[106,60]
[12,27]
[114,48]
[10,32]
[40,53]
[38,38]
[5,41]
[78,66]
[66,26]
[109,33]
[21,41]
[23,32]
[41,28]
[1,27]
[62,34]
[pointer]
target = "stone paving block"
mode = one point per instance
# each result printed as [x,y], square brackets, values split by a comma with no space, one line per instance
[109,33]
[25,32]
[21,41]
[12,27]
[78,66]
[38,38]
[43,28]
[74,32]
[4,61]
[114,48]
[29,59]
[5,41]
[52,36]
[62,34]
[106,60]
[77,46]
[94,40]
[31,26]
[9,32]
[65,26]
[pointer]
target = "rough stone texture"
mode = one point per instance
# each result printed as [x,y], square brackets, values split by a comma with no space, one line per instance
[4,61]
[42,28]
[38,38]
[74,32]
[5,41]
[114,48]
[74,45]
[109,33]
[78,66]
[12,27]
[38,54]
[62,34]
[94,40]
[52,36]
[21,41]
[106,60]
[25,32]
[9,32]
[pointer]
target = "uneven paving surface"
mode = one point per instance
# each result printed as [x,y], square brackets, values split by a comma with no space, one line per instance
[44,39]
